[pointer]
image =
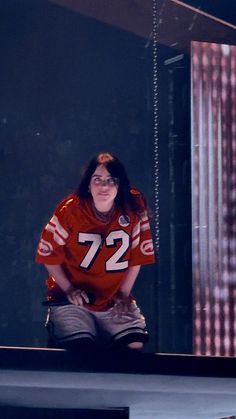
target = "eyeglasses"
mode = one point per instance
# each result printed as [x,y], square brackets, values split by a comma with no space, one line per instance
[111,181]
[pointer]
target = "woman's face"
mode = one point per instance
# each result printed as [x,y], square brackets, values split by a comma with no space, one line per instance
[103,188]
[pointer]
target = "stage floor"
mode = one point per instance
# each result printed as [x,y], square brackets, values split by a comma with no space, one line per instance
[148,396]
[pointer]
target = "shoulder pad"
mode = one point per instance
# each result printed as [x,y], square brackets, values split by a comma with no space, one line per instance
[69,201]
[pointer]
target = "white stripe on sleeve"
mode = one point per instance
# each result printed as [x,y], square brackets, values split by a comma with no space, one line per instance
[59,233]
[60,230]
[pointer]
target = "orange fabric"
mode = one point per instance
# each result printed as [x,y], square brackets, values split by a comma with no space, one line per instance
[94,255]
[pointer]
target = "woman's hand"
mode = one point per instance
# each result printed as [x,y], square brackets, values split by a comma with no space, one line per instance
[122,305]
[77,296]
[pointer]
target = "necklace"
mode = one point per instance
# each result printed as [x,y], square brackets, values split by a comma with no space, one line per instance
[105,217]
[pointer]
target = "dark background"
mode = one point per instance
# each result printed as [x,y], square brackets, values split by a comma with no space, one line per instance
[224,10]
[71,86]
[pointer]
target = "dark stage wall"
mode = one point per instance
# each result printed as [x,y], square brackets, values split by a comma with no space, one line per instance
[70,87]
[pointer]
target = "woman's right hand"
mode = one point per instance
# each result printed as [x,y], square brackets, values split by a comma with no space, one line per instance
[77,296]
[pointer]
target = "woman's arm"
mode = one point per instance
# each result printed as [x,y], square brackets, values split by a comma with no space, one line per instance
[74,295]
[128,282]
[122,298]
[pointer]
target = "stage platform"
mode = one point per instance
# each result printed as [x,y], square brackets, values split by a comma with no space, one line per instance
[150,386]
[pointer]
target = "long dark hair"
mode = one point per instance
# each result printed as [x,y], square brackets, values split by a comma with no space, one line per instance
[125,199]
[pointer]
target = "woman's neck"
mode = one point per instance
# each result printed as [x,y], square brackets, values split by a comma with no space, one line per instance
[102,213]
[103,208]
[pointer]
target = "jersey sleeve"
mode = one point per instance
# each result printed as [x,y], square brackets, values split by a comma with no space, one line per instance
[142,248]
[54,237]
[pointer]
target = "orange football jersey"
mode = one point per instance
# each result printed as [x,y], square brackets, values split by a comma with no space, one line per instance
[95,255]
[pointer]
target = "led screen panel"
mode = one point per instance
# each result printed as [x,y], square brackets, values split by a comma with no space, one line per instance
[213,79]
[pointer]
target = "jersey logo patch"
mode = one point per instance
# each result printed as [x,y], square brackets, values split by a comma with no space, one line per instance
[124,221]
[45,248]
[146,247]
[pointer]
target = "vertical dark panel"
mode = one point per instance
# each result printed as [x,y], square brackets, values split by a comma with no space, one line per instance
[175,276]
[70,87]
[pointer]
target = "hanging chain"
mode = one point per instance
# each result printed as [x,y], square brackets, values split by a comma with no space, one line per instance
[155,124]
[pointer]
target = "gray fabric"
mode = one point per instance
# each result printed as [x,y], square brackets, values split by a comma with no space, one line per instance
[72,322]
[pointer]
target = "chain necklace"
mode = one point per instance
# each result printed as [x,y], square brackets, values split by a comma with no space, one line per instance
[105,217]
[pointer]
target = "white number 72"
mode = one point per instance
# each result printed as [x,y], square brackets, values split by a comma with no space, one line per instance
[94,241]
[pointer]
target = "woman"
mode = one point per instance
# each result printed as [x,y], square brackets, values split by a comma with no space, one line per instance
[93,248]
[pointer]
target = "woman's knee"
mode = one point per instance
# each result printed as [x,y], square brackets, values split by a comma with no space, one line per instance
[135,345]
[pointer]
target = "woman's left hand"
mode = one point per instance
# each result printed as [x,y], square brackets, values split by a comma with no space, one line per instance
[77,296]
[122,305]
